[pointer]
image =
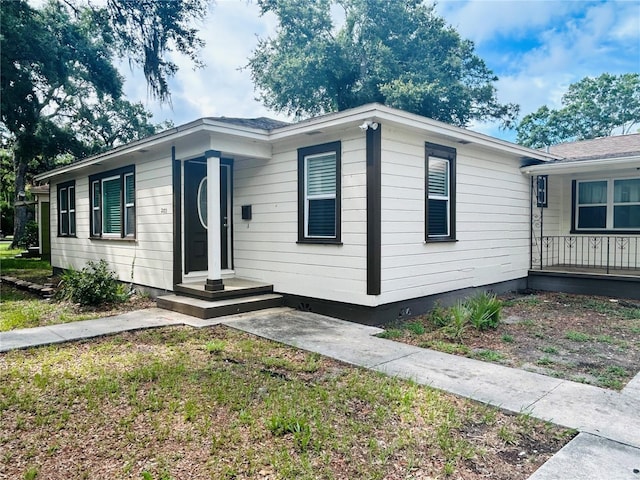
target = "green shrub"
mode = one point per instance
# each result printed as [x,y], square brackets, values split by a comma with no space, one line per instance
[94,285]
[29,238]
[485,311]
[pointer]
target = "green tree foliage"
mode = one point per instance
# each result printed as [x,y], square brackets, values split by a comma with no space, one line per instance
[61,94]
[49,64]
[146,31]
[399,53]
[591,108]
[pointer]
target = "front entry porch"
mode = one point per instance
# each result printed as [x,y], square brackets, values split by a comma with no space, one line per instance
[587,264]
[237,296]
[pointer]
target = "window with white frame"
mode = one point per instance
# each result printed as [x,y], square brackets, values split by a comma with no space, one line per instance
[319,193]
[607,204]
[67,209]
[113,212]
[440,195]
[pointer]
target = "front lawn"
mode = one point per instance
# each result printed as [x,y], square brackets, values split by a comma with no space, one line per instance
[21,309]
[178,403]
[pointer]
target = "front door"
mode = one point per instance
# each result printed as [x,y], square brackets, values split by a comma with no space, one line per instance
[195,215]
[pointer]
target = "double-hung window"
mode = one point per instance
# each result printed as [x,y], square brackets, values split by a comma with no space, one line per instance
[67,209]
[113,206]
[319,193]
[611,204]
[440,193]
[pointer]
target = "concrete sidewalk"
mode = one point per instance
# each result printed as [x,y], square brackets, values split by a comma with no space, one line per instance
[608,446]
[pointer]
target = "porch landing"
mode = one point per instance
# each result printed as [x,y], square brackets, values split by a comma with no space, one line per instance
[239,296]
[621,284]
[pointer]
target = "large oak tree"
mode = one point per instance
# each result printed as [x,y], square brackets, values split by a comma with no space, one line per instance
[61,93]
[399,53]
[591,108]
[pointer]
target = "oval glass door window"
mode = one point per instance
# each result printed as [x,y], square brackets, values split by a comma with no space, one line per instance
[202,202]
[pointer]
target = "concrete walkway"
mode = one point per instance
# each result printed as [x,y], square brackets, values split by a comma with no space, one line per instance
[608,446]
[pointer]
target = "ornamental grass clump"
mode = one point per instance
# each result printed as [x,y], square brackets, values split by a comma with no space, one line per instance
[485,311]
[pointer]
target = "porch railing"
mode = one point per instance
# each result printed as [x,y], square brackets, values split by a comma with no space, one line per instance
[603,254]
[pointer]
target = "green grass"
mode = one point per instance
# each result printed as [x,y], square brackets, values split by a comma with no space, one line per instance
[549,349]
[31,269]
[575,336]
[19,309]
[611,377]
[489,355]
[152,403]
[391,333]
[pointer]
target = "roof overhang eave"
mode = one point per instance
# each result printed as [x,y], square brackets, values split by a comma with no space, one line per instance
[168,136]
[583,166]
[382,114]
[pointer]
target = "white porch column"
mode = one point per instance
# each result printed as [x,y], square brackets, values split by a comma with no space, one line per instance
[214,275]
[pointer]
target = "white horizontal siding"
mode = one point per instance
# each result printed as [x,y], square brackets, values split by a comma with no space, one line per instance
[266,248]
[146,261]
[492,224]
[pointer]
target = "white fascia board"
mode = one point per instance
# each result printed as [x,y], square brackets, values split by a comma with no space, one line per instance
[584,166]
[168,136]
[381,113]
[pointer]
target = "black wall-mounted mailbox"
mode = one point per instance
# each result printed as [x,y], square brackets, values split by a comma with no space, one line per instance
[246,212]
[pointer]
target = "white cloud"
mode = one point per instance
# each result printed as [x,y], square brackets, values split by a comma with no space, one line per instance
[231,32]
[481,20]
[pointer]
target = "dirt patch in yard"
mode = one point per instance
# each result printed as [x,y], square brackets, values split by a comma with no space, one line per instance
[589,339]
[179,403]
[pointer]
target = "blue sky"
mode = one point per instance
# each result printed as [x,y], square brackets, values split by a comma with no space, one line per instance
[536,48]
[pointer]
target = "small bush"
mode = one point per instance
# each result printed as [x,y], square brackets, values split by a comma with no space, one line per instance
[29,237]
[485,311]
[94,285]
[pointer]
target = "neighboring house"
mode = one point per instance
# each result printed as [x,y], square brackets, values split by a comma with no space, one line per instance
[369,214]
[41,194]
[586,218]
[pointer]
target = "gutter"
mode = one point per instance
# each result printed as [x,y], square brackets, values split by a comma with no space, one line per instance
[583,166]
[337,120]
[200,125]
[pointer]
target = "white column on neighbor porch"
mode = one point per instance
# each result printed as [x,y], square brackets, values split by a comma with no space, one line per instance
[214,274]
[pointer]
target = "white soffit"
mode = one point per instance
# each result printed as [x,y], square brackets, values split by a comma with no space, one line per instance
[585,166]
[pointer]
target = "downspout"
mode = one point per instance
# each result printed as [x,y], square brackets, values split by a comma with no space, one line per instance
[374,208]
[541,228]
[531,225]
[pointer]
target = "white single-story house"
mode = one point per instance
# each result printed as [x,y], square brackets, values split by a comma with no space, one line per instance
[368,214]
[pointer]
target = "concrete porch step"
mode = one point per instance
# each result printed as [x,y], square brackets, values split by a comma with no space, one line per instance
[218,308]
[233,288]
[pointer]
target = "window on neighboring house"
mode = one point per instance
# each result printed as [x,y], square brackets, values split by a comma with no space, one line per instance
[319,193]
[67,209]
[608,204]
[440,199]
[113,209]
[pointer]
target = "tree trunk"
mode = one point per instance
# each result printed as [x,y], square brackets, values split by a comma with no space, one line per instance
[20,207]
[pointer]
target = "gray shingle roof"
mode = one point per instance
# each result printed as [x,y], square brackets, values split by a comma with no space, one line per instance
[605,147]
[262,123]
